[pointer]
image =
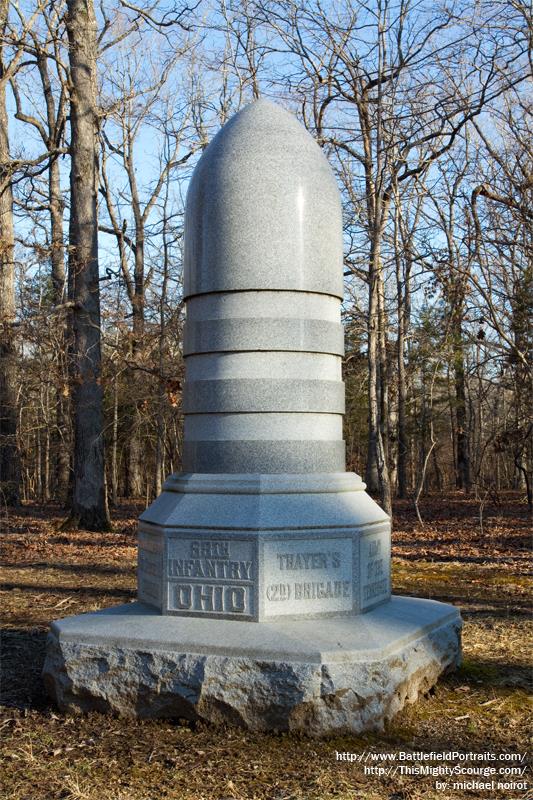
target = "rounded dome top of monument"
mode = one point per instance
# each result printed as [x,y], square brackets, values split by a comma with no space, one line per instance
[263,209]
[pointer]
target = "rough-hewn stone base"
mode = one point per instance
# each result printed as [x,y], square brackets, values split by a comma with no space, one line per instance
[316,676]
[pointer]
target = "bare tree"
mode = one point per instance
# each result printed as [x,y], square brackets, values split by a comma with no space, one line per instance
[451,266]
[500,242]
[12,38]
[89,502]
[9,457]
[138,108]
[407,214]
[366,96]
[44,51]
[437,233]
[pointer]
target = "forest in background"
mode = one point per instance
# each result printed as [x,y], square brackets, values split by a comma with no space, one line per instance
[424,112]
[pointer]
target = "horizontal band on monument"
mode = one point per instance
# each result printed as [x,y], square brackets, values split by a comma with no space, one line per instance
[307,335]
[267,425]
[263,456]
[236,395]
[191,291]
[295,483]
[265,364]
[257,305]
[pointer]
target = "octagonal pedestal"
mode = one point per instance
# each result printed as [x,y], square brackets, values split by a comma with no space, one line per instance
[320,677]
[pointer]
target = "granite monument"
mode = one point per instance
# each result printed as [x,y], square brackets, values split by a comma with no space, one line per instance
[264,594]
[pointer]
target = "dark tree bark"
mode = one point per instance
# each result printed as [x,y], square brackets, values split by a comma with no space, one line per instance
[463,479]
[9,454]
[404,304]
[62,435]
[377,472]
[135,470]
[89,503]
[63,432]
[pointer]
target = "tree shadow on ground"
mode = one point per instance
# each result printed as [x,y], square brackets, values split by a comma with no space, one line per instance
[431,556]
[496,674]
[23,653]
[471,606]
[123,539]
[53,589]
[101,569]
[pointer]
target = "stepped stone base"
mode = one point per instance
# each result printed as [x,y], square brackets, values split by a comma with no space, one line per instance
[321,677]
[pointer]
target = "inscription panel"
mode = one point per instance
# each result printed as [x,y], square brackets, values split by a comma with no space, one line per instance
[214,577]
[307,576]
[375,569]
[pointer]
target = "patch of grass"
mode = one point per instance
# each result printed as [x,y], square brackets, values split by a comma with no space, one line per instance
[483,673]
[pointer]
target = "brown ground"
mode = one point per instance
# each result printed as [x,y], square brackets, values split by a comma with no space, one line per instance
[483,707]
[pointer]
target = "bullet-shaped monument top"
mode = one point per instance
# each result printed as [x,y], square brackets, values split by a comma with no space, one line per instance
[263,209]
[263,338]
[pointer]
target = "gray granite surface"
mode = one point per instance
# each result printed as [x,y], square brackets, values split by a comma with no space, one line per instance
[257,562]
[265,502]
[307,335]
[264,364]
[252,455]
[263,209]
[281,304]
[263,394]
[263,277]
[320,677]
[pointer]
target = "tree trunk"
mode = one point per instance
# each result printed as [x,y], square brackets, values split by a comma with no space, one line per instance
[377,476]
[462,445]
[136,472]
[62,435]
[403,439]
[114,444]
[160,447]
[9,452]
[89,503]
[38,464]
[135,485]
[404,311]
[385,471]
